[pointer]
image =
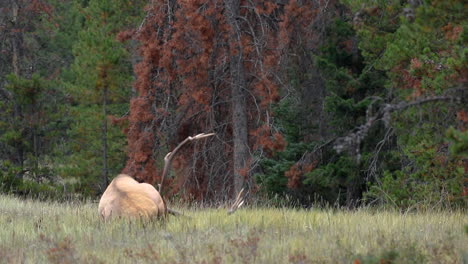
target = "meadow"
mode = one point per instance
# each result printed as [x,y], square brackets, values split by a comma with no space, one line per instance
[72,232]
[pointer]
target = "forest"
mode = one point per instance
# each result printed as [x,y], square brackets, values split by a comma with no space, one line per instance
[333,103]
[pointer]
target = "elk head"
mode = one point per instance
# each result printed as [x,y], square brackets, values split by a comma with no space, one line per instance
[128,198]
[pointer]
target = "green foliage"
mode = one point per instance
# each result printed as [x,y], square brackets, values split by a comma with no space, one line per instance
[51,126]
[352,88]
[383,57]
[13,180]
[459,140]
[428,188]
[330,180]
[81,157]
[428,176]
[9,179]
[419,57]
[100,60]
[272,177]
[32,118]
[398,59]
[430,47]
[54,35]
[101,72]
[288,114]
[26,91]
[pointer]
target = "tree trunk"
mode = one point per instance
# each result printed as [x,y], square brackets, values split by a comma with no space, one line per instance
[105,179]
[353,192]
[14,40]
[239,109]
[35,145]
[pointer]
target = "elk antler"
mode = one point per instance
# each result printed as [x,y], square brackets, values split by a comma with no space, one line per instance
[170,155]
[238,202]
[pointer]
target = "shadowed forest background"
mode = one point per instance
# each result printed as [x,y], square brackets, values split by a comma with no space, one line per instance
[343,103]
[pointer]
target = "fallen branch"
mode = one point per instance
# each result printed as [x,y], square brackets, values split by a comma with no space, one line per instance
[354,139]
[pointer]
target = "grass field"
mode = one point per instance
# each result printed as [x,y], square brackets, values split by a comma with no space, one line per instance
[39,232]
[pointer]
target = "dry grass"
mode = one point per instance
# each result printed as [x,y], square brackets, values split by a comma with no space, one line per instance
[39,232]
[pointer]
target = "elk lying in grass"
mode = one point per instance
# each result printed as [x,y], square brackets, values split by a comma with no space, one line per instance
[128,198]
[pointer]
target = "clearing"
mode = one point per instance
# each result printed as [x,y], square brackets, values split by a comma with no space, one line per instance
[52,232]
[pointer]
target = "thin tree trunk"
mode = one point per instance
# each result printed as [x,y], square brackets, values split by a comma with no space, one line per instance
[35,147]
[353,192]
[15,64]
[105,179]
[15,58]
[239,108]
[14,40]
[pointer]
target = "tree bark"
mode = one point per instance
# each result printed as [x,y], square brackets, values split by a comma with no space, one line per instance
[35,141]
[14,40]
[239,108]
[105,178]
[352,193]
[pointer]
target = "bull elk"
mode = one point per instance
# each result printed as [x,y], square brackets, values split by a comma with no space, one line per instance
[126,197]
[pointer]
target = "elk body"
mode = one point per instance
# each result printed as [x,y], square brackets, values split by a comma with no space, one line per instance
[125,197]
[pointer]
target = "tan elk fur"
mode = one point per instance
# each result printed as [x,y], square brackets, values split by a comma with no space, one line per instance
[128,198]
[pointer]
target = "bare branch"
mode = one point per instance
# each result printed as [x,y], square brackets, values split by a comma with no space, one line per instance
[170,155]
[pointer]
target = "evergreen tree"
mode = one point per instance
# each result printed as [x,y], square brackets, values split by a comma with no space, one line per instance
[32,116]
[418,48]
[394,81]
[99,85]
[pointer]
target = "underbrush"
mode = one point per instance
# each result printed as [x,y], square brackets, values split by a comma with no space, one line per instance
[72,232]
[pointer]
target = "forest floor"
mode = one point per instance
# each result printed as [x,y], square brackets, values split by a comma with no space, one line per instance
[52,232]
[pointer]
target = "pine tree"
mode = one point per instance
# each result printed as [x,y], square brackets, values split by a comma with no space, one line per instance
[419,48]
[99,83]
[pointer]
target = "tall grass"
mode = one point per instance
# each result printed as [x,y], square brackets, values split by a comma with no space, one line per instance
[41,232]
